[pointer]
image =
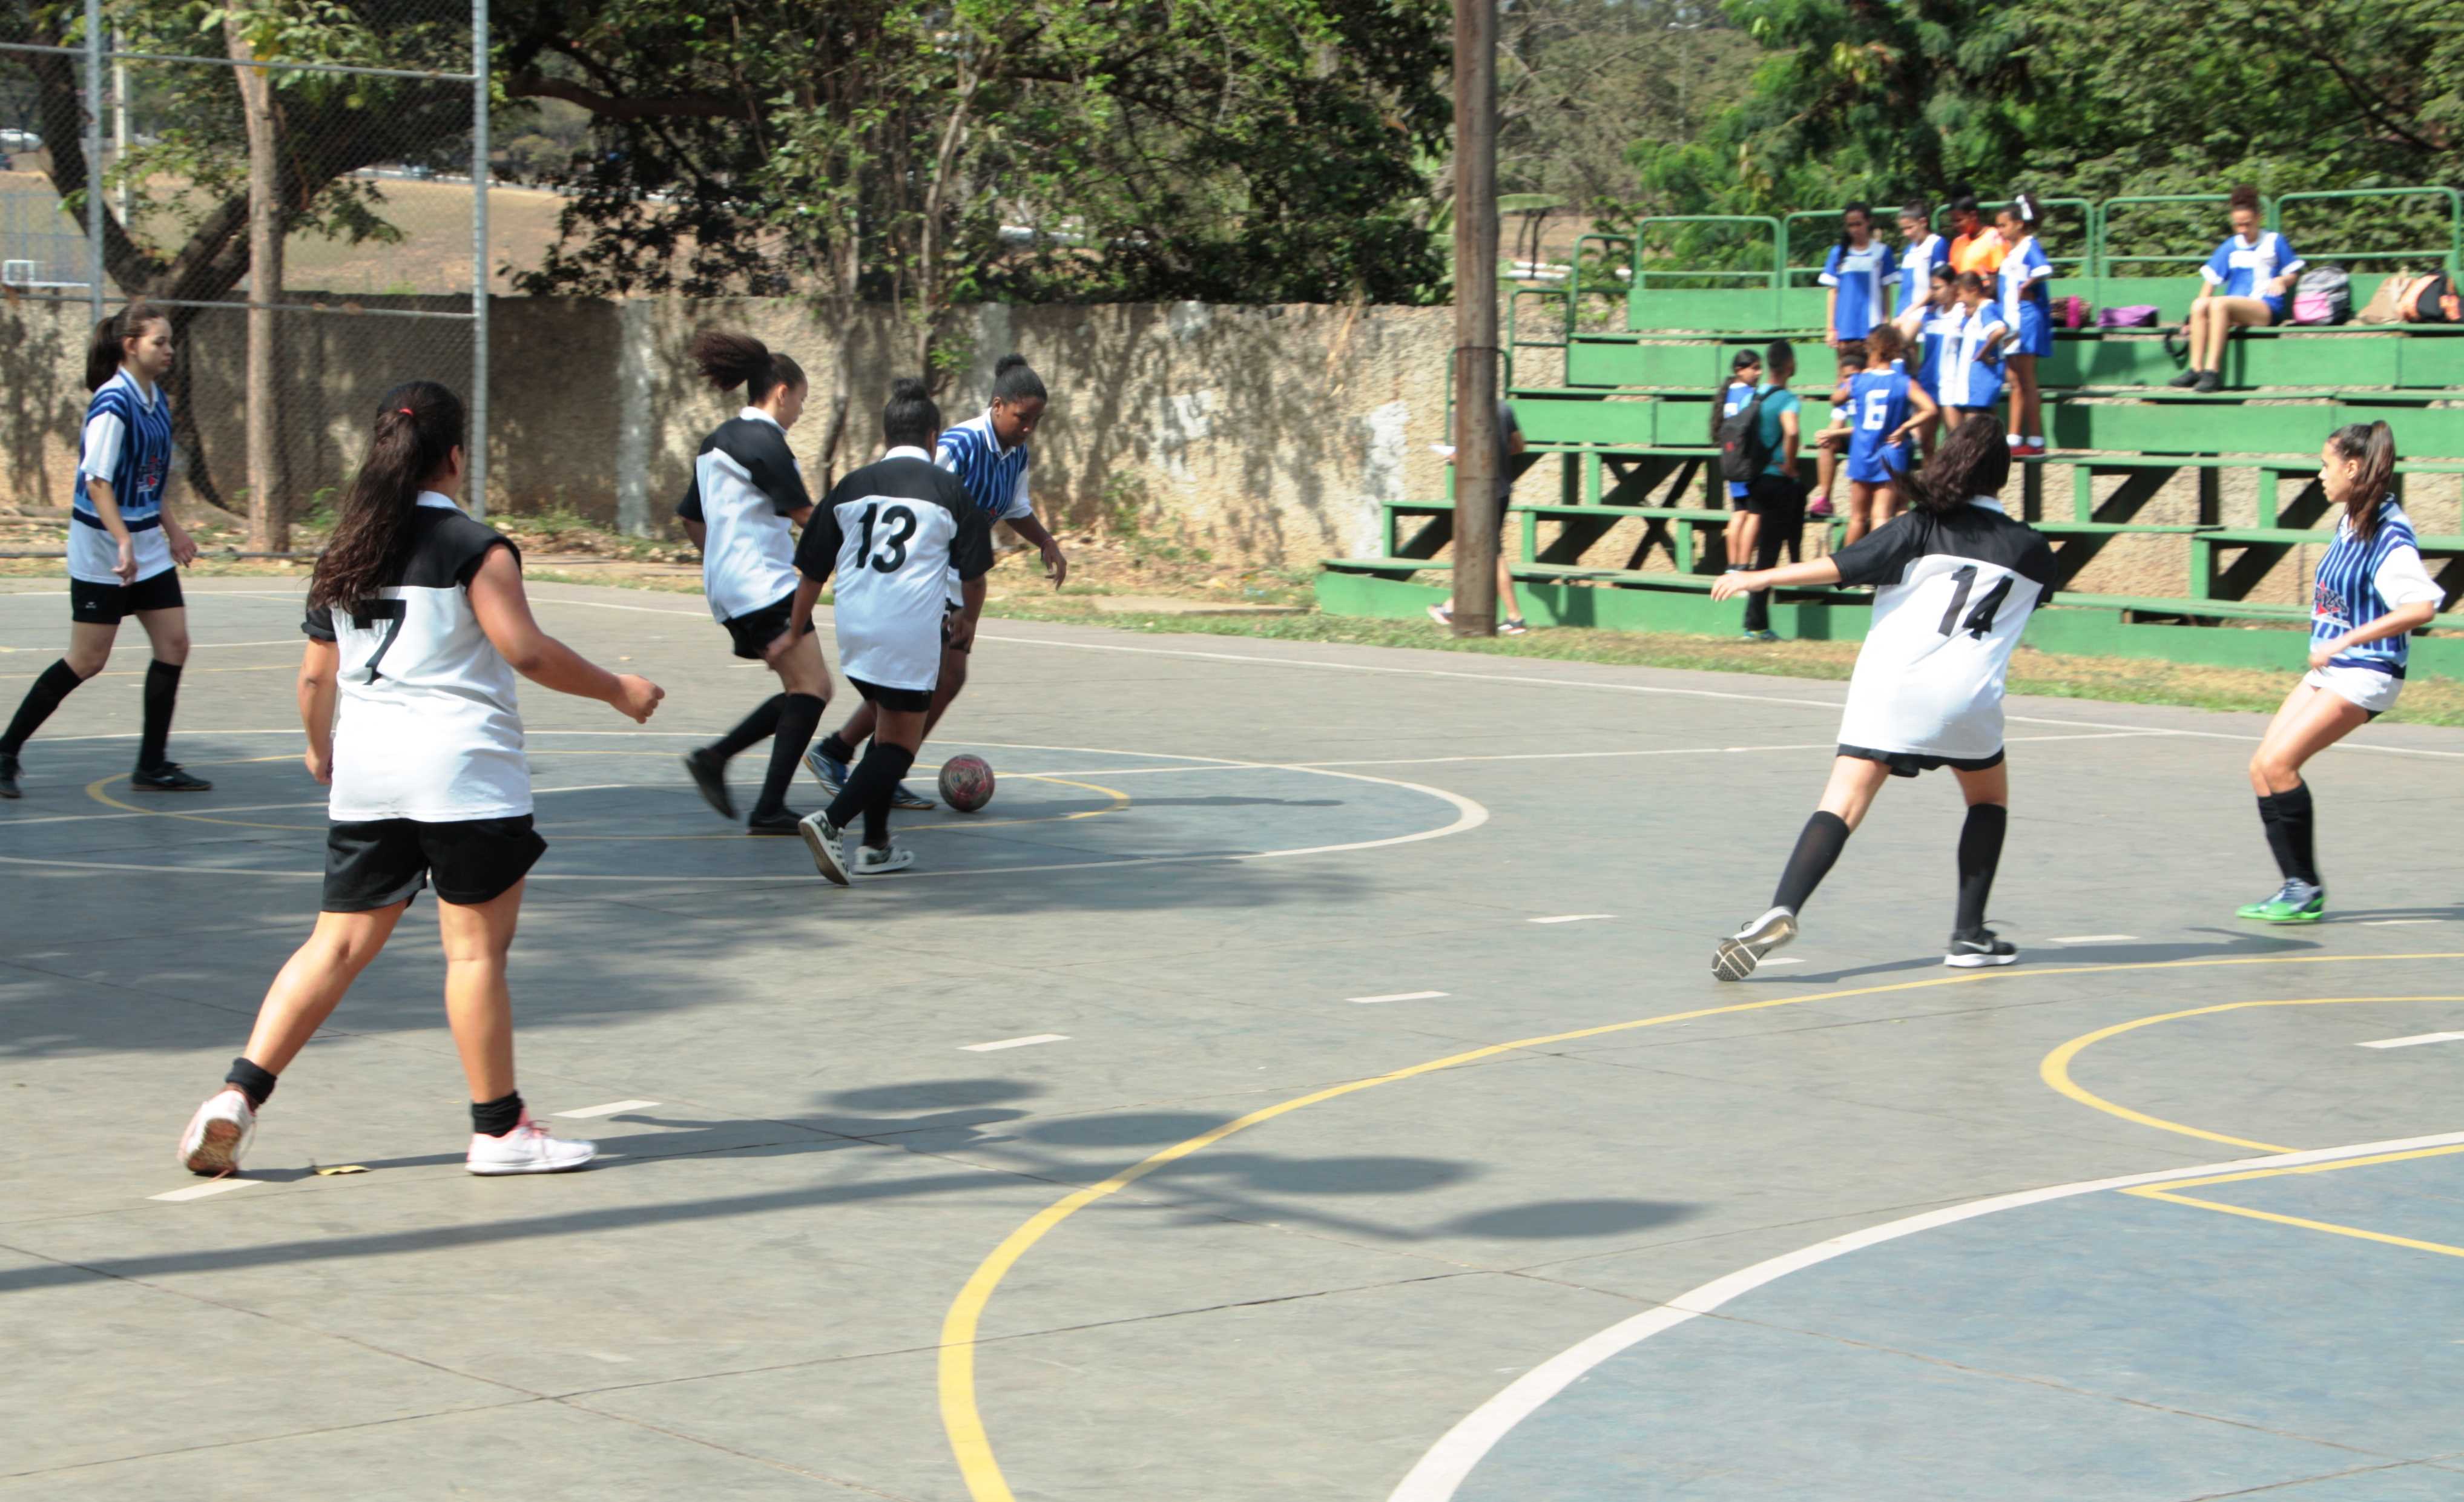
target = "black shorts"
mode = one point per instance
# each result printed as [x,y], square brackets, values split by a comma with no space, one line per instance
[1773,495]
[756,629]
[380,861]
[1908,763]
[109,605]
[916,699]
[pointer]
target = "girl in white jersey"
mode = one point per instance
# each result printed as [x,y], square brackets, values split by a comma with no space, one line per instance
[2370,594]
[124,548]
[746,498]
[1955,581]
[416,626]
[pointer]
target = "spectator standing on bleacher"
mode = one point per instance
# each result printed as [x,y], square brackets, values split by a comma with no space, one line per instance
[1745,373]
[1921,250]
[1930,328]
[1971,356]
[1974,246]
[2024,283]
[2248,283]
[1857,277]
[1510,443]
[1776,497]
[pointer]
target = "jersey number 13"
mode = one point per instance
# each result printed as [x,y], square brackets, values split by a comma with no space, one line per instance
[899,524]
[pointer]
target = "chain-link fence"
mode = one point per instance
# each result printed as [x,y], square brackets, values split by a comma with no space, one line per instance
[300,182]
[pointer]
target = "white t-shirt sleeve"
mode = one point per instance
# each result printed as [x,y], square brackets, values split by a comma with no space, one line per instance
[104,432]
[2403,580]
[1018,502]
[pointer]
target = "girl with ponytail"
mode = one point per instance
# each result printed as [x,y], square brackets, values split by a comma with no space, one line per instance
[125,548]
[742,510]
[416,626]
[2368,596]
[1955,581]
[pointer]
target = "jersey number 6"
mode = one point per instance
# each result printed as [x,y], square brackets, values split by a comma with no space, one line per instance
[374,613]
[892,555]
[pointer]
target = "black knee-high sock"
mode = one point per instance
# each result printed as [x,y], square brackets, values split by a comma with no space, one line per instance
[1980,854]
[798,718]
[872,785]
[161,696]
[834,746]
[1825,837]
[759,726]
[2272,825]
[2295,816]
[55,683]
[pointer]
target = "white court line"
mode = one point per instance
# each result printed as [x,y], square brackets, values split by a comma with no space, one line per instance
[199,1191]
[1570,917]
[2396,922]
[1452,1458]
[2415,1040]
[313,803]
[2091,938]
[1399,996]
[1015,1043]
[1786,960]
[607,1110]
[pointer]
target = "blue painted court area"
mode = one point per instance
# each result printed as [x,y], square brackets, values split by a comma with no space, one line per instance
[2175,1341]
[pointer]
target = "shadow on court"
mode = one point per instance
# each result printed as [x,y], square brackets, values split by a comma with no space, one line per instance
[2230,944]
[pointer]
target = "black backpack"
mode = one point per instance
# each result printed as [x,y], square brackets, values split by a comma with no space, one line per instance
[1742,453]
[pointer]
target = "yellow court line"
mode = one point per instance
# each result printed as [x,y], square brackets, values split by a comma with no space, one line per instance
[2329,1226]
[2304,1168]
[2056,1069]
[963,1418]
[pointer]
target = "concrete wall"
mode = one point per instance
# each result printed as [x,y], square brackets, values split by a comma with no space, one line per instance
[1263,434]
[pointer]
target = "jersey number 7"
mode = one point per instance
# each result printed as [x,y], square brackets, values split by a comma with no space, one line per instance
[388,613]
[1981,619]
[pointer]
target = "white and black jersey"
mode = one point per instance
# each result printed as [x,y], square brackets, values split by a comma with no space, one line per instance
[894,531]
[745,487]
[1953,593]
[428,726]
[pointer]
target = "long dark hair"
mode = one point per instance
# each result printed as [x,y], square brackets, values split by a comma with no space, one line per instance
[1859,207]
[419,425]
[1974,461]
[109,347]
[728,361]
[1737,362]
[912,419]
[1014,380]
[2373,445]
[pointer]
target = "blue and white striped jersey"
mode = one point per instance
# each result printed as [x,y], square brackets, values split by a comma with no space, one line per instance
[2025,276]
[994,477]
[1916,269]
[1940,326]
[2243,268]
[1861,276]
[1877,407]
[127,445]
[2358,582]
[1969,375]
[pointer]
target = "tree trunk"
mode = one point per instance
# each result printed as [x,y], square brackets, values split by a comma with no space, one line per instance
[268,519]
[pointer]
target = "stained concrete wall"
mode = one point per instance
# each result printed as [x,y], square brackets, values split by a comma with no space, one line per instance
[1263,434]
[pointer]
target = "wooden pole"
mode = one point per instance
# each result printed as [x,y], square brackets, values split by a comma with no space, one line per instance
[1476,456]
[269,522]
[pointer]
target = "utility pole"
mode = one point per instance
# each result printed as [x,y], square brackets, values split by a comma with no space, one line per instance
[1476,458]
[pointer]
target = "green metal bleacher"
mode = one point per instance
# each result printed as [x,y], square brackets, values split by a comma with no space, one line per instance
[1626,427]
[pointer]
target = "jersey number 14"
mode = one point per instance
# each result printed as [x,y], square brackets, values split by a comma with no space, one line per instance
[1980,620]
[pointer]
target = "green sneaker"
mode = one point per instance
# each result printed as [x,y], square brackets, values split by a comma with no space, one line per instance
[2294,903]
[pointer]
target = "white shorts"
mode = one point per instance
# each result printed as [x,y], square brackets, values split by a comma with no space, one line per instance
[2364,688]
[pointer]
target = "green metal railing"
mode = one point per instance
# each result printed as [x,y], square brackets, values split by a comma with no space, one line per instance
[2451,255]
[1772,277]
[2102,245]
[1607,283]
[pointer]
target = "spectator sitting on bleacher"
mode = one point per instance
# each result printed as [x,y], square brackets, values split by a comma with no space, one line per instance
[2248,283]
[1855,279]
[1977,246]
[2401,299]
[1832,441]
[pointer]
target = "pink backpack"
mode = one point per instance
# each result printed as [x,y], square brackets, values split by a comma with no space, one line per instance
[2071,313]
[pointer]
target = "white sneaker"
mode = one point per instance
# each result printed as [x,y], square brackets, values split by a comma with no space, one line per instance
[217,1135]
[826,841]
[870,862]
[1741,952]
[528,1149]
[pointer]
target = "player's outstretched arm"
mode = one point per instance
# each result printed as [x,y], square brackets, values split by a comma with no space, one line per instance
[504,615]
[1793,576]
[799,615]
[1056,562]
[318,668]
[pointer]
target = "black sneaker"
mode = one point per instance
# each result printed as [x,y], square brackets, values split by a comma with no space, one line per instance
[2186,380]
[1977,948]
[8,776]
[2209,382]
[912,802]
[168,778]
[709,775]
[781,823]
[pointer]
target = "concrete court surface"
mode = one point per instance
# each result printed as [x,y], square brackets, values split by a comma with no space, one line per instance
[1202,1226]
